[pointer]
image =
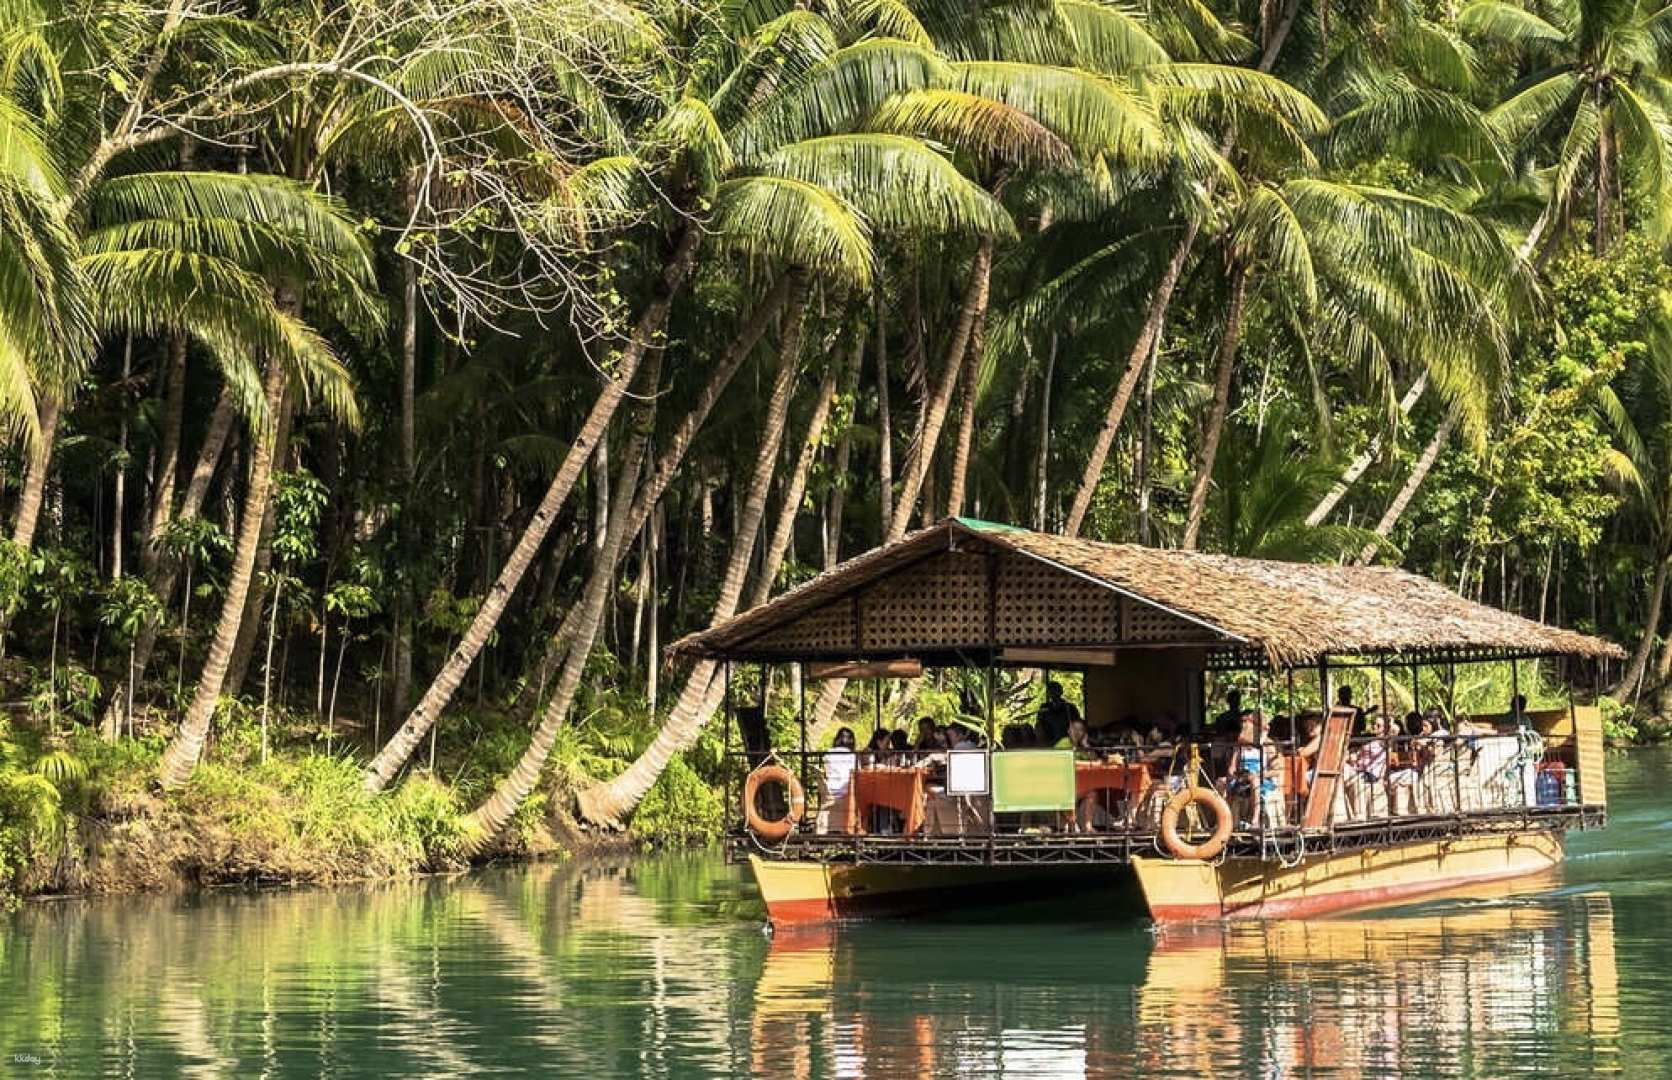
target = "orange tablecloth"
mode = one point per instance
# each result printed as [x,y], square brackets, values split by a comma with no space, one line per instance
[897,789]
[1093,776]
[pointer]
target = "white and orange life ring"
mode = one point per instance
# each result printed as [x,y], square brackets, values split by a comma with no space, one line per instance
[773,828]
[1175,844]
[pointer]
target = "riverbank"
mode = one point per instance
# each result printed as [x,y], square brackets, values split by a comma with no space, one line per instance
[80,814]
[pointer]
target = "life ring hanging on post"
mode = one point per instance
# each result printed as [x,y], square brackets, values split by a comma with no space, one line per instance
[1222,823]
[773,828]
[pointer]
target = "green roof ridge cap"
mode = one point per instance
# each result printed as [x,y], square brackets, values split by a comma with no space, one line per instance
[987,526]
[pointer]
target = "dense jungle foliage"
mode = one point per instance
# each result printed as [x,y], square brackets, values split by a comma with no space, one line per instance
[384,384]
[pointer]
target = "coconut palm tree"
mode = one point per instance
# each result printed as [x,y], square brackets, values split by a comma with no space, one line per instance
[777,193]
[42,322]
[1375,276]
[1640,415]
[231,258]
[1592,104]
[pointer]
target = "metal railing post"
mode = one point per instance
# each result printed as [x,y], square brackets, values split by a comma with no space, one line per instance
[725,738]
[805,784]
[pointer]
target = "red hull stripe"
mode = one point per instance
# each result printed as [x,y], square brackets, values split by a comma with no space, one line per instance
[1305,906]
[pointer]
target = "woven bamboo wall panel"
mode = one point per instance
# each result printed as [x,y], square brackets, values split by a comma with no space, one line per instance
[1145,623]
[940,601]
[1040,605]
[828,629]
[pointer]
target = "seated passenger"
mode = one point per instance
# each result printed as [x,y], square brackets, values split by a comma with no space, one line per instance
[1405,773]
[1366,769]
[839,763]
[876,751]
[1253,783]
[1076,739]
[900,749]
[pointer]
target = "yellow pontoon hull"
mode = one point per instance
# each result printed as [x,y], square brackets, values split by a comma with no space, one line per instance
[1175,891]
[1178,891]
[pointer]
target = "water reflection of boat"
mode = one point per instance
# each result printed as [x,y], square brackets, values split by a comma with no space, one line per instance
[1229,817]
[1493,981]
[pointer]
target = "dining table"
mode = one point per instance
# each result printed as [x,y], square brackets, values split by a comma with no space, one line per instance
[899,789]
[1123,778]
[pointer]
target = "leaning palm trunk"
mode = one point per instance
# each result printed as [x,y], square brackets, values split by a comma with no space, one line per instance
[966,422]
[406,739]
[489,820]
[1221,405]
[168,454]
[1135,363]
[1645,645]
[839,488]
[34,476]
[1139,357]
[1419,472]
[165,570]
[885,427]
[933,418]
[608,802]
[182,754]
[1361,464]
[673,455]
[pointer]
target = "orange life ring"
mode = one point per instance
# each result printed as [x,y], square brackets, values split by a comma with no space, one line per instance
[768,829]
[1213,845]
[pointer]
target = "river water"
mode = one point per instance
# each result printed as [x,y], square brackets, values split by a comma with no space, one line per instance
[659,967]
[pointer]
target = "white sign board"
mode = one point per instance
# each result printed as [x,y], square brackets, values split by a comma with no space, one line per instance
[966,772]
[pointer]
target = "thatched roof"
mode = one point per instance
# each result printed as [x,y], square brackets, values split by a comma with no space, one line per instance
[1293,612]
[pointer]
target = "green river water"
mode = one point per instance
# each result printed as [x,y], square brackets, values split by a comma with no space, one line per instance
[659,967]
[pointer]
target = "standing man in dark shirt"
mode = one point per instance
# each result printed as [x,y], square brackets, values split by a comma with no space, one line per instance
[1228,723]
[1056,714]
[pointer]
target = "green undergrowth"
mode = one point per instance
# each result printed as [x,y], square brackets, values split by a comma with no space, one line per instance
[79,813]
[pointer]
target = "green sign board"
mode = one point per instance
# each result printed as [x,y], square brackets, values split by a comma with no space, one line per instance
[1033,780]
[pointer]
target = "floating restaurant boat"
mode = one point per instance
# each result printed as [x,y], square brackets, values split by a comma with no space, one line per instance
[1302,818]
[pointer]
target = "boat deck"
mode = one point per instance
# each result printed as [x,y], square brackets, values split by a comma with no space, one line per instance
[1118,846]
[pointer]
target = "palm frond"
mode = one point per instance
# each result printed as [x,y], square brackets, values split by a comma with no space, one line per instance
[899,184]
[795,223]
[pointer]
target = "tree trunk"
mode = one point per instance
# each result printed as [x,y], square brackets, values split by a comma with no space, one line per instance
[1419,472]
[1042,461]
[1159,300]
[165,570]
[1221,405]
[181,756]
[489,820]
[650,323]
[885,431]
[119,501]
[837,504]
[966,420]
[778,545]
[1146,440]
[249,633]
[1604,164]
[168,453]
[933,418]
[608,802]
[35,474]
[673,455]
[1646,644]
[1135,361]
[1360,464]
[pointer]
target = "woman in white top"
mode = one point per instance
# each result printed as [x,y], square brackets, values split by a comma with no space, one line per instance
[839,763]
